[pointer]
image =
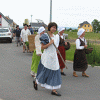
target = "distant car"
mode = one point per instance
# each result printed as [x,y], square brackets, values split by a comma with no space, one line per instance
[5,34]
[65,36]
[35,29]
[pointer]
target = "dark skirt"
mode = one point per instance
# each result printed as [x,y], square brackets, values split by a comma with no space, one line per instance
[80,62]
[62,51]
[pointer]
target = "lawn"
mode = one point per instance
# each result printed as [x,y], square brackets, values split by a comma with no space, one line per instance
[88,35]
[70,52]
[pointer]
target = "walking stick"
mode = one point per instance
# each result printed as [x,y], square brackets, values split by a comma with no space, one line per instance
[58,52]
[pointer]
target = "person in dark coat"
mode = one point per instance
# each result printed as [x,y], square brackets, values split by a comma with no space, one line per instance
[31,30]
[17,33]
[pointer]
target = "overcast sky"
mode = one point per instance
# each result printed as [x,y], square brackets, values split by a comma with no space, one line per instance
[67,13]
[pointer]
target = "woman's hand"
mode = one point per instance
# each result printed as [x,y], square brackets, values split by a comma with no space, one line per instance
[39,54]
[21,40]
[65,43]
[57,52]
[52,41]
[47,45]
[85,46]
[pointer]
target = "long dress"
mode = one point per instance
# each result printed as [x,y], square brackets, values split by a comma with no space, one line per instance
[35,57]
[80,62]
[62,51]
[48,74]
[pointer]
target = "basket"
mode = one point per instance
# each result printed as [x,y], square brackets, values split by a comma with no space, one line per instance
[88,50]
[67,46]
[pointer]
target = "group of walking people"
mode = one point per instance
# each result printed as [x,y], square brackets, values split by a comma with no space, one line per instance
[47,65]
[22,36]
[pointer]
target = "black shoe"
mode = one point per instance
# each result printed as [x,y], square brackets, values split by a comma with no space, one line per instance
[35,85]
[62,73]
[55,93]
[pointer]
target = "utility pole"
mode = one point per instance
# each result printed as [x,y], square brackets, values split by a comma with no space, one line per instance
[50,10]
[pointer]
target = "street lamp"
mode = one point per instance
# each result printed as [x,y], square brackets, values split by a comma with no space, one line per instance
[31,18]
[50,10]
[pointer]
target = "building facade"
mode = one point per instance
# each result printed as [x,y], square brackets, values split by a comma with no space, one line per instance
[5,21]
[86,26]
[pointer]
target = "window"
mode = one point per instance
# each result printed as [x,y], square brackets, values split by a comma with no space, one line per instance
[88,25]
[87,30]
[85,25]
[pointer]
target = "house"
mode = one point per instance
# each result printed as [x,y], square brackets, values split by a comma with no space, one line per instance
[5,21]
[14,24]
[35,25]
[86,26]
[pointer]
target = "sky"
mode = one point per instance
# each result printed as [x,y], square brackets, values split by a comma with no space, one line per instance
[67,13]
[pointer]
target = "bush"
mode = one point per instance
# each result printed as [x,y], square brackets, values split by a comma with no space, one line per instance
[94,57]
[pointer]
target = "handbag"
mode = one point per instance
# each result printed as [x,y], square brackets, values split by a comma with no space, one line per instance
[62,42]
[67,47]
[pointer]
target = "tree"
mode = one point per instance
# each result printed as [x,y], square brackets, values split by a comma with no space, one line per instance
[95,25]
[99,26]
[70,29]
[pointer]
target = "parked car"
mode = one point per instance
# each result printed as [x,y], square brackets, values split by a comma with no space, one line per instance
[5,34]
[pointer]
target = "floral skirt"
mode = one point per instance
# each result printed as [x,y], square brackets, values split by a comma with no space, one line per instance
[62,51]
[35,62]
[80,62]
[50,79]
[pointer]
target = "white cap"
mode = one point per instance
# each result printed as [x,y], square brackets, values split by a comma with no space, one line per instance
[41,29]
[80,31]
[61,29]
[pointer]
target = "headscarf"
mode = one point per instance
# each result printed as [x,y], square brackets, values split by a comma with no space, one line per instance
[80,31]
[61,29]
[41,29]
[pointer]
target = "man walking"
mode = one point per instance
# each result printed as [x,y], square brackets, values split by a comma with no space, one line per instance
[24,36]
[17,34]
[31,30]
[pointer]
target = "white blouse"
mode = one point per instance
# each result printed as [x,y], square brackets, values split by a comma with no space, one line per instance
[58,39]
[78,43]
[24,34]
[38,45]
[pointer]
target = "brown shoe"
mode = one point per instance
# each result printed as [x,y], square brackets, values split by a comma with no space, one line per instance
[85,75]
[74,74]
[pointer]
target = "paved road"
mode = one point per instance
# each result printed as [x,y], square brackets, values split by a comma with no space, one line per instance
[16,81]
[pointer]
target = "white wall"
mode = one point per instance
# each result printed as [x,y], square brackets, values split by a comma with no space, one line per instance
[4,23]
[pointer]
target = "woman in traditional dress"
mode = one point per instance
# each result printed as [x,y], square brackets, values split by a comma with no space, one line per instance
[37,52]
[48,74]
[80,62]
[61,48]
